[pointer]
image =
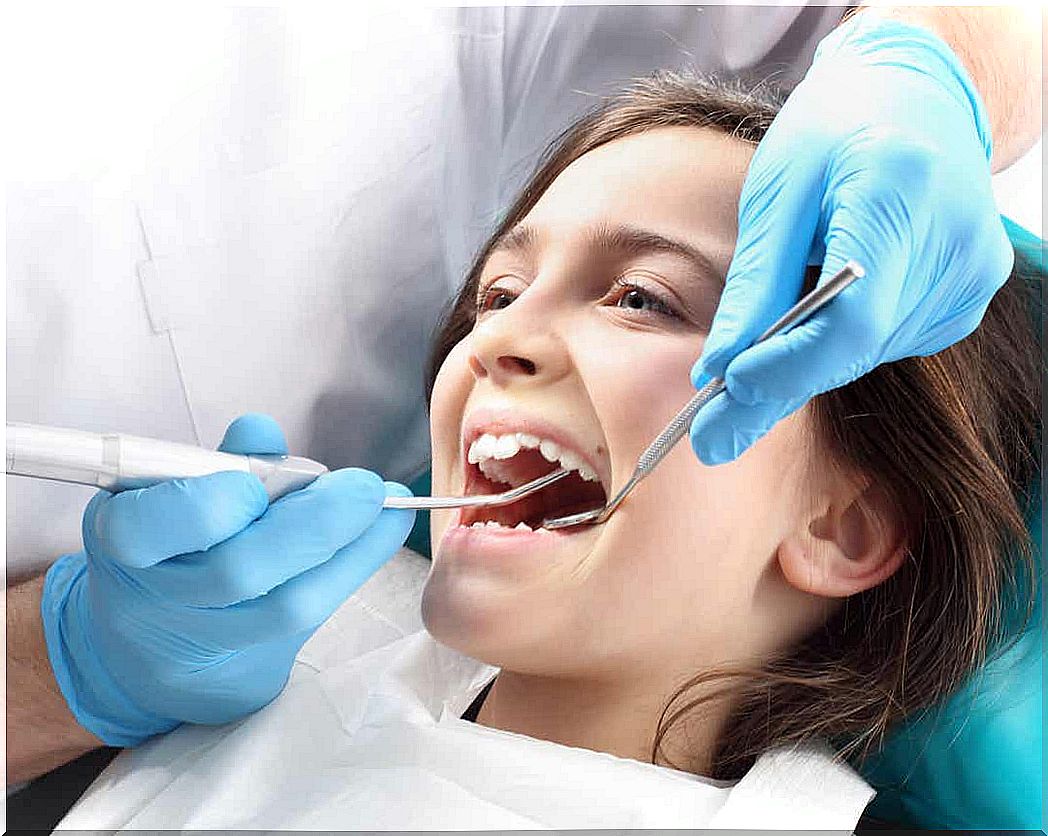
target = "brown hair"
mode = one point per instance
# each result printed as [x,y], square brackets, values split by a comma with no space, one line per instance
[953,440]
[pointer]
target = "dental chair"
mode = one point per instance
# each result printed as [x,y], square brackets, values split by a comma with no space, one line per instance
[976,762]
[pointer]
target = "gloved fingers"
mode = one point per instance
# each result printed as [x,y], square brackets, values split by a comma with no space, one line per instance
[991,241]
[835,346]
[847,337]
[305,601]
[724,428]
[254,434]
[964,303]
[368,556]
[248,679]
[953,327]
[140,528]
[778,215]
[297,533]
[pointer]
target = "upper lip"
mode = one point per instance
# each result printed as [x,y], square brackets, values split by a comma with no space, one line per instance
[505,422]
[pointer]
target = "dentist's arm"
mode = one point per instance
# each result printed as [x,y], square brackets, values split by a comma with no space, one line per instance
[42,732]
[1000,48]
[881,154]
[189,602]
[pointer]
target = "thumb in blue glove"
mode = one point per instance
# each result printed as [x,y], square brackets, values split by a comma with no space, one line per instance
[881,155]
[192,597]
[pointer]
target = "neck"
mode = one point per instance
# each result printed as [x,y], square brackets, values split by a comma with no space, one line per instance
[617,718]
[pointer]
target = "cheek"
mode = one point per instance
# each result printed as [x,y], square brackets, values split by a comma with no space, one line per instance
[744,509]
[717,530]
[637,388]
[451,390]
[702,527]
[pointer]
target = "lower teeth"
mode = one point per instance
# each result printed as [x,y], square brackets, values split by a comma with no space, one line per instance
[521,526]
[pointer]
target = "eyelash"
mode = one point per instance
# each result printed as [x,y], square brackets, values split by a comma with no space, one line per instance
[661,306]
[486,295]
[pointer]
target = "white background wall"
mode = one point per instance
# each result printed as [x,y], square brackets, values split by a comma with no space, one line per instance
[1019,190]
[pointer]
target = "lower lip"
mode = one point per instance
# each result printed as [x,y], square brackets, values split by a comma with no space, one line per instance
[504,542]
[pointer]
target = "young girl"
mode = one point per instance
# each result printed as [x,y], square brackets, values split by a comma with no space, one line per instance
[689,662]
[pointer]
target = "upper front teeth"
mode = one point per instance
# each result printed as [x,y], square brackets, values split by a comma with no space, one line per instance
[490,446]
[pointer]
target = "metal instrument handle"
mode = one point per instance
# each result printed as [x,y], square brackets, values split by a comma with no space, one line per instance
[681,422]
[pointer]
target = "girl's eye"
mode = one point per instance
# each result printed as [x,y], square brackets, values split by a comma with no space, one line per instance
[635,298]
[494,299]
[629,296]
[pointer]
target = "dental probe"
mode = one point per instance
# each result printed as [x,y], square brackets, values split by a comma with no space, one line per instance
[117,462]
[681,422]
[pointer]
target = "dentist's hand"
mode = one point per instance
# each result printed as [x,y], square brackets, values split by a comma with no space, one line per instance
[192,597]
[881,155]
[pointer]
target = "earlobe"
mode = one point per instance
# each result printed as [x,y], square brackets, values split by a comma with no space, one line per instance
[845,549]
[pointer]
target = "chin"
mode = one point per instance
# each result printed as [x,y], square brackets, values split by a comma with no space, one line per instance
[454,611]
[463,616]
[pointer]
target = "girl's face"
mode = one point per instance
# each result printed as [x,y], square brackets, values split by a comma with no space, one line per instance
[591,314]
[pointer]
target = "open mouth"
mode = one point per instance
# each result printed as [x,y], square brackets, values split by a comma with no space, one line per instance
[496,463]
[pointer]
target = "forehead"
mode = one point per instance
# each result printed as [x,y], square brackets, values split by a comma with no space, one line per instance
[682,181]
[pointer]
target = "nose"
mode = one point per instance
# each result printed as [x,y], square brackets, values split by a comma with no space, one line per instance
[503,367]
[515,345]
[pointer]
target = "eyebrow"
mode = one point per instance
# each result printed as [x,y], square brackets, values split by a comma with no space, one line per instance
[620,239]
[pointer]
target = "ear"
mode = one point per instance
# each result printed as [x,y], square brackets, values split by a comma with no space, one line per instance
[854,542]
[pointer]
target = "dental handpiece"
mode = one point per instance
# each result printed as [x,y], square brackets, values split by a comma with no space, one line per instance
[117,462]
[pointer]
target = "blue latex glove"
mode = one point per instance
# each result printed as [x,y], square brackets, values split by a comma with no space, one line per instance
[881,155]
[192,597]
